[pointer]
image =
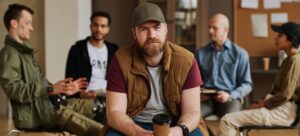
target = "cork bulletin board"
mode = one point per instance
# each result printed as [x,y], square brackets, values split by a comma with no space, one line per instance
[242,27]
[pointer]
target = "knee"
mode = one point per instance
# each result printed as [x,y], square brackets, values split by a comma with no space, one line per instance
[226,118]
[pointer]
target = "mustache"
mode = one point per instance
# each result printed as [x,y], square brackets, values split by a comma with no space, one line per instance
[153,40]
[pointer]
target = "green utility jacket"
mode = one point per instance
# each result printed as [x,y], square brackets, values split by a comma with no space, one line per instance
[23,84]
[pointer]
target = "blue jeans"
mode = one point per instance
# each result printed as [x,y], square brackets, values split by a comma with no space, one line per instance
[148,126]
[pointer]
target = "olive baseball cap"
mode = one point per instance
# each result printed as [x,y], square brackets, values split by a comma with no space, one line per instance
[146,12]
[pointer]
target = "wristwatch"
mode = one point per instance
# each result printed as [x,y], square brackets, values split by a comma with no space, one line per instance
[185,130]
[50,89]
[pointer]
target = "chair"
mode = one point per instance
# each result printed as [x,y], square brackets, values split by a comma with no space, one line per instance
[247,129]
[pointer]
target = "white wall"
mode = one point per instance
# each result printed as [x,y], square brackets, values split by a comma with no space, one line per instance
[84,13]
[66,21]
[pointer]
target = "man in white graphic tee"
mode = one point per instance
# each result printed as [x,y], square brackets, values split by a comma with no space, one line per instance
[90,57]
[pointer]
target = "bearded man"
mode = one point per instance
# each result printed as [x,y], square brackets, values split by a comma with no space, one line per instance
[153,76]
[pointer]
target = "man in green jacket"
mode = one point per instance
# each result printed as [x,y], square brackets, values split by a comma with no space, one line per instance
[36,103]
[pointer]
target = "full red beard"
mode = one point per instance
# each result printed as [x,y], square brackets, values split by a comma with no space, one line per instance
[151,47]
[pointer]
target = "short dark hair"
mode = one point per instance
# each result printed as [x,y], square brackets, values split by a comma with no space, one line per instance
[14,12]
[101,14]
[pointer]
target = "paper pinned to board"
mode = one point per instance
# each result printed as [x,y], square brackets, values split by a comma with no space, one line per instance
[252,4]
[272,4]
[289,1]
[286,1]
[279,18]
[259,25]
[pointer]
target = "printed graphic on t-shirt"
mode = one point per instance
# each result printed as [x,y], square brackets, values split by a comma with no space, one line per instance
[98,60]
[99,64]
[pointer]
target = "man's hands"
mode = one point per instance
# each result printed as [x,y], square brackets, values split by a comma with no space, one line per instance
[69,87]
[175,131]
[257,104]
[220,96]
[143,132]
[204,97]
[88,94]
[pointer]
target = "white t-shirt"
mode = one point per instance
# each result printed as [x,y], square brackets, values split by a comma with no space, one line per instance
[98,60]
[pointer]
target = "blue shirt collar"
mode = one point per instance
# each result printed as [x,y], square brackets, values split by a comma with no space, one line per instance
[227,45]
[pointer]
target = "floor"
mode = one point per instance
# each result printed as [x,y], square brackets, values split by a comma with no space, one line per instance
[6,125]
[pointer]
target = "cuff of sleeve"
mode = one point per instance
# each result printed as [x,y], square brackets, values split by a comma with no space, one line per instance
[42,90]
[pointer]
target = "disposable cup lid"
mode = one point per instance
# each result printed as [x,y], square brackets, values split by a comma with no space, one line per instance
[161,119]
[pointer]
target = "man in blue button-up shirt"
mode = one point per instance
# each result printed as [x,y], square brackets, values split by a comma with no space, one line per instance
[224,68]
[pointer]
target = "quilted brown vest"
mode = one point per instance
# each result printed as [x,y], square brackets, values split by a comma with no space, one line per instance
[176,63]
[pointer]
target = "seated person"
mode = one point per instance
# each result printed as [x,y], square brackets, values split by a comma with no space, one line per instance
[278,107]
[91,57]
[225,70]
[144,80]
[36,103]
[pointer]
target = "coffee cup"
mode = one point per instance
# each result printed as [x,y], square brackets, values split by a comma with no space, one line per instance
[161,124]
[266,63]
